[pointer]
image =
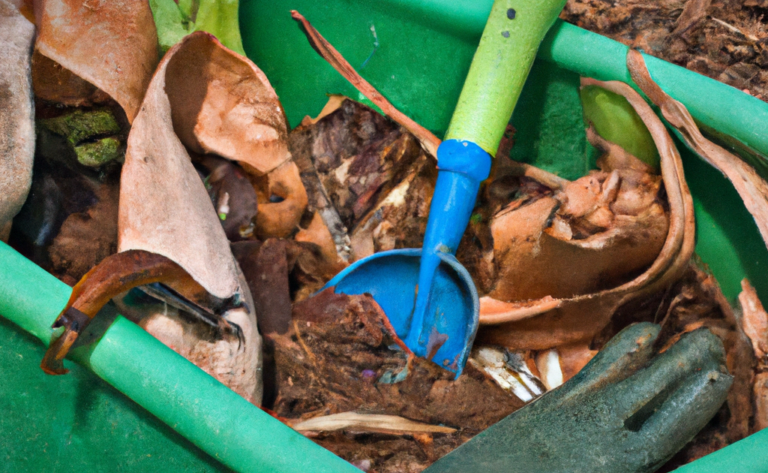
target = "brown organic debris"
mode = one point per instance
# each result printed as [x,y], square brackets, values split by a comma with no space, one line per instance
[723,39]
[339,357]
[87,237]
[111,45]
[17,126]
[367,178]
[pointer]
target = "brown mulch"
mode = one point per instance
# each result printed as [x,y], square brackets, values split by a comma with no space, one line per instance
[723,39]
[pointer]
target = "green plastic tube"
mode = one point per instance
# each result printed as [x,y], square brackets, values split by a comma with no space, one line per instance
[200,408]
[719,106]
[493,85]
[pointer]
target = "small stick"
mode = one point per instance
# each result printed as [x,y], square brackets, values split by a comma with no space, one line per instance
[303,345]
[429,141]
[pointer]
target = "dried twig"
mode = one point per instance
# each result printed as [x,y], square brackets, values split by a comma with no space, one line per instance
[734,29]
[369,423]
[428,141]
[301,342]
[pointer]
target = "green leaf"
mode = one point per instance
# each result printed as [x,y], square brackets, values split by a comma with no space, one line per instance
[170,21]
[217,17]
[221,19]
[616,121]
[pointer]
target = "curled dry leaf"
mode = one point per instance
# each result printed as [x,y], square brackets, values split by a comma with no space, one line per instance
[221,103]
[751,187]
[17,125]
[754,319]
[111,45]
[583,219]
[167,219]
[282,201]
[163,198]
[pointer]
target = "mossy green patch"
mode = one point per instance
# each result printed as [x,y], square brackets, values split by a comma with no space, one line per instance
[79,126]
[98,153]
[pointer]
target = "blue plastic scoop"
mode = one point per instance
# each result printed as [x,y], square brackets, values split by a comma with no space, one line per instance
[428,296]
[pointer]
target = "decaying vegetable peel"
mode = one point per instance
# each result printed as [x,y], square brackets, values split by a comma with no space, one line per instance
[563,320]
[117,273]
[110,44]
[17,125]
[751,187]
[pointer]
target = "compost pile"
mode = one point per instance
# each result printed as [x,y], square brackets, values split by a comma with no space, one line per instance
[176,190]
[722,39]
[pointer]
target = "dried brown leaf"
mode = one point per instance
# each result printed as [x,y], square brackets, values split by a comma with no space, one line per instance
[110,44]
[165,209]
[221,103]
[754,319]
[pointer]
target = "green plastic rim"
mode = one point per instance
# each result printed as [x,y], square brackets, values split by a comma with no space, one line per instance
[209,414]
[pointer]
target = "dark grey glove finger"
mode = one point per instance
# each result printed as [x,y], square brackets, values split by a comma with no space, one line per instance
[622,356]
[679,418]
[695,352]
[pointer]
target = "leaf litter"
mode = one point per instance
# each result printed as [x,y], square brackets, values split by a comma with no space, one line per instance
[198,145]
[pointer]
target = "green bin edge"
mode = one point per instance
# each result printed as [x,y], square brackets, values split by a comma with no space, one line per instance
[214,418]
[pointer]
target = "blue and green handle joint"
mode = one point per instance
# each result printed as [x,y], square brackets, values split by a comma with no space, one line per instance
[499,69]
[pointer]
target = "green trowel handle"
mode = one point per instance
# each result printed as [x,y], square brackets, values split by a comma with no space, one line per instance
[499,68]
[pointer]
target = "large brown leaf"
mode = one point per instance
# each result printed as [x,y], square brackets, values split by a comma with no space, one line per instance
[222,103]
[110,44]
[17,126]
[165,209]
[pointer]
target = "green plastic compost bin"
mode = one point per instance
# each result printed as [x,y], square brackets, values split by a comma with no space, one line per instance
[154,411]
